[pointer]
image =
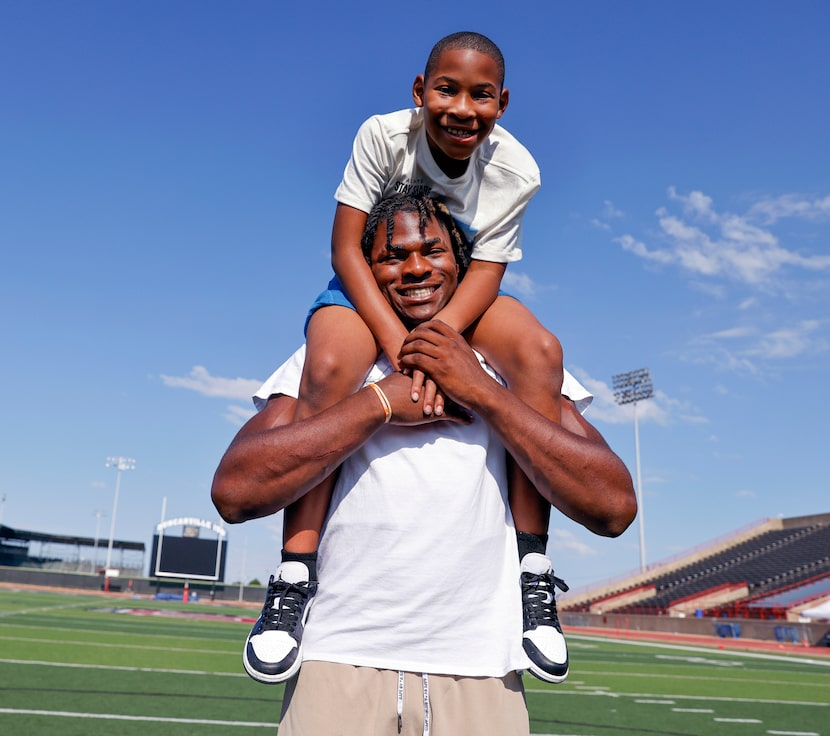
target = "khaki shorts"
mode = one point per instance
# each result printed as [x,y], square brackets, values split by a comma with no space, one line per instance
[326,699]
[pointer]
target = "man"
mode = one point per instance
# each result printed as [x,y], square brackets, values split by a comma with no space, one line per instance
[424,500]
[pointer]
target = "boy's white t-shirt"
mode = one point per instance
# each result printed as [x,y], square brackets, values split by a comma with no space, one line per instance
[417,563]
[391,155]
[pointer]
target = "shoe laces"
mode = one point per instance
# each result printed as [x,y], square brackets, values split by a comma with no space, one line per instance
[284,604]
[539,601]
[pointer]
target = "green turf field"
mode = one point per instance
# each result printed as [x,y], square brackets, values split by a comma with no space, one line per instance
[75,665]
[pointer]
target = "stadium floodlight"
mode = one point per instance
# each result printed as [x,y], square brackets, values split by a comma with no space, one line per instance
[629,388]
[98,514]
[120,464]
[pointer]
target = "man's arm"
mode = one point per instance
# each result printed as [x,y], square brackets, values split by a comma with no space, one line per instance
[273,461]
[571,465]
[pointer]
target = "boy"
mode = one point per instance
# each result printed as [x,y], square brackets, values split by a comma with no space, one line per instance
[448,145]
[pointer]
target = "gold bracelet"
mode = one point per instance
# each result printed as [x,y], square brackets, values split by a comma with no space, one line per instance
[384,400]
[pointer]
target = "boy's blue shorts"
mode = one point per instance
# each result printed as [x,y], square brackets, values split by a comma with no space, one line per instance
[335,296]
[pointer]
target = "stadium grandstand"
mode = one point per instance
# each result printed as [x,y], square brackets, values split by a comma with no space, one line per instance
[62,553]
[774,569]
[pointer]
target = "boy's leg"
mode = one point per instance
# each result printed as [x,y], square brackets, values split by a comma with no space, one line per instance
[529,358]
[340,349]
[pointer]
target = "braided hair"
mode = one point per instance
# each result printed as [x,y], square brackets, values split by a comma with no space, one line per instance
[465,40]
[427,208]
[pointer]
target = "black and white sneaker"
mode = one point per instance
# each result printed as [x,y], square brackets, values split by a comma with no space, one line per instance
[273,648]
[543,641]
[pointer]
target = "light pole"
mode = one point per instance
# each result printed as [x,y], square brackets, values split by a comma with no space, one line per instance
[98,514]
[242,570]
[629,388]
[120,464]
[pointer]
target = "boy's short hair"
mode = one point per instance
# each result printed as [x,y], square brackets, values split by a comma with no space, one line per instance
[465,40]
[426,208]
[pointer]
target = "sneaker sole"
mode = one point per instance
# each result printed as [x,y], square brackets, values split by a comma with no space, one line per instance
[268,679]
[558,672]
[271,679]
[546,676]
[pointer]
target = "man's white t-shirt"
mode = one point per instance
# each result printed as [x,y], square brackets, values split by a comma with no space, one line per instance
[417,564]
[391,155]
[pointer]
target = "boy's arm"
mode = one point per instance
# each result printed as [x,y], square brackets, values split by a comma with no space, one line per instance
[476,292]
[356,276]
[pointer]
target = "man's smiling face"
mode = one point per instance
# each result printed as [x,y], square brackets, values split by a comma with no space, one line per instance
[416,272]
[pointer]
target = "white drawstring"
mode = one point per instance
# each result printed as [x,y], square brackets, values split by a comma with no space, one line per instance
[400,700]
[426,705]
[427,712]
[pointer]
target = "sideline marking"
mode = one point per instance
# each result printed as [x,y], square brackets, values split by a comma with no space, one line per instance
[551,691]
[118,717]
[111,645]
[705,650]
[700,660]
[159,719]
[41,609]
[692,710]
[675,696]
[700,678]
[105,627]
[736,720]
[793,733]
[653,702]
[121,668]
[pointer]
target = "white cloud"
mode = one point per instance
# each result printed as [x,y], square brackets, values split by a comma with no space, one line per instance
[733,333]
[744,493]
[238,415]
[609,211]
[520,284]
[717,291]
[770,210]
[696,203]
[738,348]
[789,342]
[740,247]
[639,248]
[562,539]
[202,382]
[736,363]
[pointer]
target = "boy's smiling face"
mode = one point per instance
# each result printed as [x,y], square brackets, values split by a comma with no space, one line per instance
[462,100]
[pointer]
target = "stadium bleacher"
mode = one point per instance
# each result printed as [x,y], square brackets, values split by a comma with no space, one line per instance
[784,564]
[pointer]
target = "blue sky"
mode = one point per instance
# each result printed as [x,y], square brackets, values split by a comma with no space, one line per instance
[166,181]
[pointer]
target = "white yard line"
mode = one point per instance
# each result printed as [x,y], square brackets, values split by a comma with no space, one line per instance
[119,668]
[119,717]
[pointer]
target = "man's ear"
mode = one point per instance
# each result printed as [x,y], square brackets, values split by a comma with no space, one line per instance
[504,98]
[418,90]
